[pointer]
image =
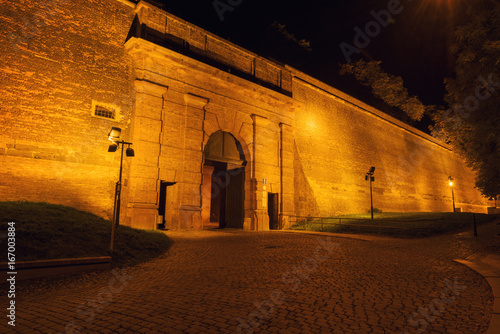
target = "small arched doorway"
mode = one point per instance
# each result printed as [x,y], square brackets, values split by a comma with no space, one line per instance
[223,189]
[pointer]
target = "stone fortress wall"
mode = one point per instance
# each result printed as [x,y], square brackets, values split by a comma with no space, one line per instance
[169,85]
[341,138]
[57,58]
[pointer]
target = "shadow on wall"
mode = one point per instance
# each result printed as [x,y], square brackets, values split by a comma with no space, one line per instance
[305,201]
[98,201]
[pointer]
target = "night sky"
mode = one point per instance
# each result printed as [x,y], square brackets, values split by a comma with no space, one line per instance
[415,45]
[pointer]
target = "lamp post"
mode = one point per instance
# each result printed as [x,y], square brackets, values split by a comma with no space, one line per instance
[369,176]
[450,182]
[114,137]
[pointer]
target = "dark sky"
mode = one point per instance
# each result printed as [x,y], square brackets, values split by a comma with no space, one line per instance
[415,45]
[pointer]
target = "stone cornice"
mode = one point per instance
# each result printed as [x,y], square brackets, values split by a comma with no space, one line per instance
[140,48]
[144,86]
[128,3]
[195,101]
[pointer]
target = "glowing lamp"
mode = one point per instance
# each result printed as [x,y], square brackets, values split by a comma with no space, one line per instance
[450,182]
[114,135]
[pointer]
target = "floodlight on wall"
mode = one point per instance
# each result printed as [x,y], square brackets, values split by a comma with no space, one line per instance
[114,134]
[130,152]
[113,147]
[114,137]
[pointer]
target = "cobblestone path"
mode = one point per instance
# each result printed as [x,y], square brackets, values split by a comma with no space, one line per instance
[230,281]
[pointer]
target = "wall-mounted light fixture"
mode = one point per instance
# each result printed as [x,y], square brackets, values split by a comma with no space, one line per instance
[114,137]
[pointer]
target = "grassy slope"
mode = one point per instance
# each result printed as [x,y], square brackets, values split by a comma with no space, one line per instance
[419,224]
[47,231]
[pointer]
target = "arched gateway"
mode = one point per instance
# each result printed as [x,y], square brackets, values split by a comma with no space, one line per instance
[223,189]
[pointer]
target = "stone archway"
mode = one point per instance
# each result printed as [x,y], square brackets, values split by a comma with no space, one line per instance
[223,188]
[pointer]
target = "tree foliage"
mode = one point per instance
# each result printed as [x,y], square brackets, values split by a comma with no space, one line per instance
[471,122]
[277,42]
[387,87]
[281,29]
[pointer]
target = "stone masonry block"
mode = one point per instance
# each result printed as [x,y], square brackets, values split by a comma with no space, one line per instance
[191,194]
[211,123]
[147,129]
[143,171]
[194,139]
[190,177]
[146,153]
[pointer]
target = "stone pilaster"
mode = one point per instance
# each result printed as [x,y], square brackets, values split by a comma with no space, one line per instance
[206,194]
[260,137]
[287,206]
[145,134]
[189,186]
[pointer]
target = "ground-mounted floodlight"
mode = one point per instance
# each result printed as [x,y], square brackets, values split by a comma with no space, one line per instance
[450,182]
[369,177]
[114,137]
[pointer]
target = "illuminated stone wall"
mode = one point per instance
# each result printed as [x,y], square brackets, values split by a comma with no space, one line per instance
[182,102]
[57,58]
[339,138]
[171,85]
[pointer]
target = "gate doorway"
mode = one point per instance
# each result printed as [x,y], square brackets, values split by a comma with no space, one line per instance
[223,186]
[163,211]
[273,211]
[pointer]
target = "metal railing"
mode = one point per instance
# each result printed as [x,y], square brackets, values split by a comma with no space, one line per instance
[420,226]
[308,221]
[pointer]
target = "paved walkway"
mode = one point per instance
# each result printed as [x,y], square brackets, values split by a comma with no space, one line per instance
[487,263]
[273,282]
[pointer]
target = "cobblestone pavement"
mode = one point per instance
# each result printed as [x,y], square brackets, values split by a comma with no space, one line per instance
[230,281]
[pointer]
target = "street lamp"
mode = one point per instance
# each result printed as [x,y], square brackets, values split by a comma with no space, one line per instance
[450,182]
[369,176]
[114,137]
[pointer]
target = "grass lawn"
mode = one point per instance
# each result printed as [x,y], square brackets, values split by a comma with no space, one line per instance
[404,225]
[47,231]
